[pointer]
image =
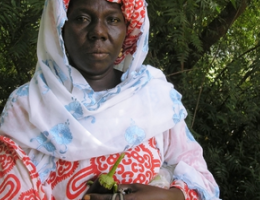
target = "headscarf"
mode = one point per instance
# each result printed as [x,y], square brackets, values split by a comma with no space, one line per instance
[57,115]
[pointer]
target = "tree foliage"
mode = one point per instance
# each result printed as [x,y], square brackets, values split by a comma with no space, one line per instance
[209,49]
[19,22]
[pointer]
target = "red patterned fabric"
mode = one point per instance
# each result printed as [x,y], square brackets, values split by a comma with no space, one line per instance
[66,3]
[188,193]
[134,13]
[15,167]
[30,194]
[64,170]
[139,165]
[7,161]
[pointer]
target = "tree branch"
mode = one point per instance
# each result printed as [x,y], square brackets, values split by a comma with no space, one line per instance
[216,30]
[235,59]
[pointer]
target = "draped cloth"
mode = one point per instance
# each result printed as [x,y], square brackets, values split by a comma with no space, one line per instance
[57,115]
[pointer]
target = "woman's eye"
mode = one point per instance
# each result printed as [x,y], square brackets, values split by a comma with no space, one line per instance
[114,20]
[83,19]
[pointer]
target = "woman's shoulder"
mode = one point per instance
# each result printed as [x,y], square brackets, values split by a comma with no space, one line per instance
[17,99]
[155,72]
[20,92]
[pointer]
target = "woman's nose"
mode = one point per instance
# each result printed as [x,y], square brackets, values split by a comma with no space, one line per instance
[97,30]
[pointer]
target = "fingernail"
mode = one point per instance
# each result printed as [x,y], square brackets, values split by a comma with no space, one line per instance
[86,197]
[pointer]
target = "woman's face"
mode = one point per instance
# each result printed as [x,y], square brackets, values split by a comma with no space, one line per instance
[93,35]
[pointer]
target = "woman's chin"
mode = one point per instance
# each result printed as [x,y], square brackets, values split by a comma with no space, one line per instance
[96,71]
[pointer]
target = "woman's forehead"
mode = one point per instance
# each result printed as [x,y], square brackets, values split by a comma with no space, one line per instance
[66,2]
[101,7]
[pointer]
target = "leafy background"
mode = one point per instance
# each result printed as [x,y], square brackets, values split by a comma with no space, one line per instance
[209,50]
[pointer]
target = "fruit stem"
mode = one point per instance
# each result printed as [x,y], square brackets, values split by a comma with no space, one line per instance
[113,170]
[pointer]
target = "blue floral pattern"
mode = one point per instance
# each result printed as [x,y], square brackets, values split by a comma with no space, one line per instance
[57,70]
[89,96]
[76,110]
[59,134]
[177,105]
[45,83]
[22,91]
[139,78]
[104,99]
[134,135]
[141,82]
[43,140]
[44,171]
[39,74]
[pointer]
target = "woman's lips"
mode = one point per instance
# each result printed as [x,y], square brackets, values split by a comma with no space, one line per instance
[99,55]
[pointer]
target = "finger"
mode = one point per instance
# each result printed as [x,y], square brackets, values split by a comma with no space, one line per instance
[126,188]
[86,197]
[130,188]
[98,197]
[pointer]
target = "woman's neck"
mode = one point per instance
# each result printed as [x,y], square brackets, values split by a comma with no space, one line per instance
[105,81]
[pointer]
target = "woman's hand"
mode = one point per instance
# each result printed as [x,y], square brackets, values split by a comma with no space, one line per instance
[141,192]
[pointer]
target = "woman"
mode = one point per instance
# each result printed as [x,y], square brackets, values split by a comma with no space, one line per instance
[91,99]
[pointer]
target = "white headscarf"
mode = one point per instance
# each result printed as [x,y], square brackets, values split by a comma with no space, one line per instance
[58,115]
